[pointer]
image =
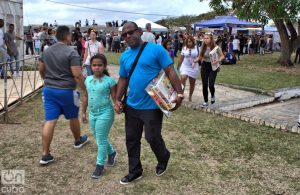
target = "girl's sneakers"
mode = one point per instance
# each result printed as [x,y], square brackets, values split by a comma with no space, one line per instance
[112,159]
[98,172]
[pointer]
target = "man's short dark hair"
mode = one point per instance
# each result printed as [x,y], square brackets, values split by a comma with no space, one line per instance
[148,26]
[11,25]
[62,32]
[134,24]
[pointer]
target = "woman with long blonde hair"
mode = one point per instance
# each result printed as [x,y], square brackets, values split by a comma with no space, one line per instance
[209,69]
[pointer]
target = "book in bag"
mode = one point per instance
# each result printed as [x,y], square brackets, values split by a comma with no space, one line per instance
[162,93]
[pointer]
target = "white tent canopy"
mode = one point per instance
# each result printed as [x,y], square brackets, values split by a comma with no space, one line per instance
[154,27]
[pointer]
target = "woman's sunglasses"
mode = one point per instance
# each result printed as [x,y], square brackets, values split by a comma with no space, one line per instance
[128,33]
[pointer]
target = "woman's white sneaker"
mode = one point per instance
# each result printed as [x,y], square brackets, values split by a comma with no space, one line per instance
[213,100]
[204,105]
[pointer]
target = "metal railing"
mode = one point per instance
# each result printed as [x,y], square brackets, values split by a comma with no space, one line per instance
[15,89]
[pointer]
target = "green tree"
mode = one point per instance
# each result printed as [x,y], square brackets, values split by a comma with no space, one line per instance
[284,13]
[186,20]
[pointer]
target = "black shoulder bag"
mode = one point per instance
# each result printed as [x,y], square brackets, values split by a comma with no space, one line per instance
[130,73]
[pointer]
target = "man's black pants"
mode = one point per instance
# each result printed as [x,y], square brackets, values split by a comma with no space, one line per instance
[29,45]
[135,121]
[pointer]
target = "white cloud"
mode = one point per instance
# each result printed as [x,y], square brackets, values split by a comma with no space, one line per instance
[39,11]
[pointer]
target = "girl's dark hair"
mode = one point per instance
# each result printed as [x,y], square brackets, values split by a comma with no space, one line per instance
[166,42]
[103,59]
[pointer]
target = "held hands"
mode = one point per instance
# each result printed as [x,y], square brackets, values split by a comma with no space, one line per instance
[118,107]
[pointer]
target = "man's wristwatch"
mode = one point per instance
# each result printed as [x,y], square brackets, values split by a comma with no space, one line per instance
[180,95]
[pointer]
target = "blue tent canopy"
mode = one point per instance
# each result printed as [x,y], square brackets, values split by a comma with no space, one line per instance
[270,29]
[225,21]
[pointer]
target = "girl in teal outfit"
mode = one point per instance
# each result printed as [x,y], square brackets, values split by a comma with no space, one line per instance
[100,87]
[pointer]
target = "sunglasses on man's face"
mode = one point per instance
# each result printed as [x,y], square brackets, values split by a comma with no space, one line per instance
[124,35]
[99,65]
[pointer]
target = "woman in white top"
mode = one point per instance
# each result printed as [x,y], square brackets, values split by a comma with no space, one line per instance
[186,65]
[92,47]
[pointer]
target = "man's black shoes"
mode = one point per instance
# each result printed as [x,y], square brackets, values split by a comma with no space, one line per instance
[129,178]
[162,167]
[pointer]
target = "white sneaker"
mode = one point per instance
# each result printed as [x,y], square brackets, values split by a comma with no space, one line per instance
[19,75]
[204,105]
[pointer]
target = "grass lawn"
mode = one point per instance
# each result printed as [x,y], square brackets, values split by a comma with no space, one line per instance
[210,155]
[261,72]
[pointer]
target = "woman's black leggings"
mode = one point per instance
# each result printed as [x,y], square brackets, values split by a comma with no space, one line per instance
[208,80]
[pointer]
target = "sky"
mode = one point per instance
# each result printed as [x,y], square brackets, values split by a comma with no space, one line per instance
[40,11]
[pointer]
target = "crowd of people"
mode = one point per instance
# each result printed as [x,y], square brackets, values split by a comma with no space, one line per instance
[37,40]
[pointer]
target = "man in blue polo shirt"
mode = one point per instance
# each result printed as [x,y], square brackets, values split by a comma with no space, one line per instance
[141,111]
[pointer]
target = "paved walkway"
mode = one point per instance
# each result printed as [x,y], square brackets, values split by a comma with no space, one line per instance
[244,105]
[281,112]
